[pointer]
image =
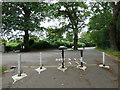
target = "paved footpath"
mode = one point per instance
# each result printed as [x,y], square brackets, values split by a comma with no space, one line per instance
[92,77]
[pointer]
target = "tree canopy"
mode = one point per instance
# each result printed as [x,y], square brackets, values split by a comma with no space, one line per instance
[103,27]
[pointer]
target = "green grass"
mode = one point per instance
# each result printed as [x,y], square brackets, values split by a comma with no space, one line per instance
[12,44]
[2,69]
[108,51]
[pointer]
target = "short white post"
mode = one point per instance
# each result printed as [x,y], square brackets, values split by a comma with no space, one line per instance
[103,58]
[40,61]
[19,64]
[20,75]
[41,68]
[103,62]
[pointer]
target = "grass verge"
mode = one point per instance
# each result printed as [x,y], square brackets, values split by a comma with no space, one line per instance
[2,69]
[108,51]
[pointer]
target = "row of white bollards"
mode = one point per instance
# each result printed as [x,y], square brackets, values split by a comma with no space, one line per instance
[21,75]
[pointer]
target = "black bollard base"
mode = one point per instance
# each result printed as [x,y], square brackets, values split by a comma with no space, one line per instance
[41,67]
[81,64]
[19,75]
[104,66]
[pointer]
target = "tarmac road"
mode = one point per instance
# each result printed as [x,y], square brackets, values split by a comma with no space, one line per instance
[92,77]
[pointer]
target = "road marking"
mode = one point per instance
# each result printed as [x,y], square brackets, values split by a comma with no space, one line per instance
[69,59]
[75,59]
[70,63]
[65,65]
[77,63]
[57,59]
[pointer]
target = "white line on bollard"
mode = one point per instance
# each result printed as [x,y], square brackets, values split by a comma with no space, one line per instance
[19,64]
[81,60]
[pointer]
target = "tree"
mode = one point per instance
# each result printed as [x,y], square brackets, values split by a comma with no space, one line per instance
[105,17]
[23,16]
[69,36]
[76,13]
[55,34]
[113,25]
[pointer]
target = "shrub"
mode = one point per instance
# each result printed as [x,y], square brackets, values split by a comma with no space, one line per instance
[2,69]
[11,46]
[31,42]
[60,43]
[40,45]
[80,45]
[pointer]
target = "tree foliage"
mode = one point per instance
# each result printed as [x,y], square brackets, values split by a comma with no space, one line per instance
[105,18]
[23,16]
[76,13]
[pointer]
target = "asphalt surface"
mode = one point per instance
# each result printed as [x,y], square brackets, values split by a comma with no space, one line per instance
[73,77]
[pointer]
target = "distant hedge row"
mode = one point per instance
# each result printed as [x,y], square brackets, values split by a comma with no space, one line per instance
[41,44]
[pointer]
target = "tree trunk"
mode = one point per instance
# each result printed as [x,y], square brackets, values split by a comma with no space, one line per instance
[113,29]
[27,12]
[26,40]
[113,43]
[75,41]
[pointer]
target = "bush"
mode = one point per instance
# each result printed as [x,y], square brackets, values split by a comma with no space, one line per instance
[31,42]
[90,44]
[40,45]
[80,45]
[60,43]
[2,69]
[12,46]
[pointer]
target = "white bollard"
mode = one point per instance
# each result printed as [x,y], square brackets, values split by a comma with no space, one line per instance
[19,64]
[103,58]
[40,61]
[103,62]
[20,75]
[41,68]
